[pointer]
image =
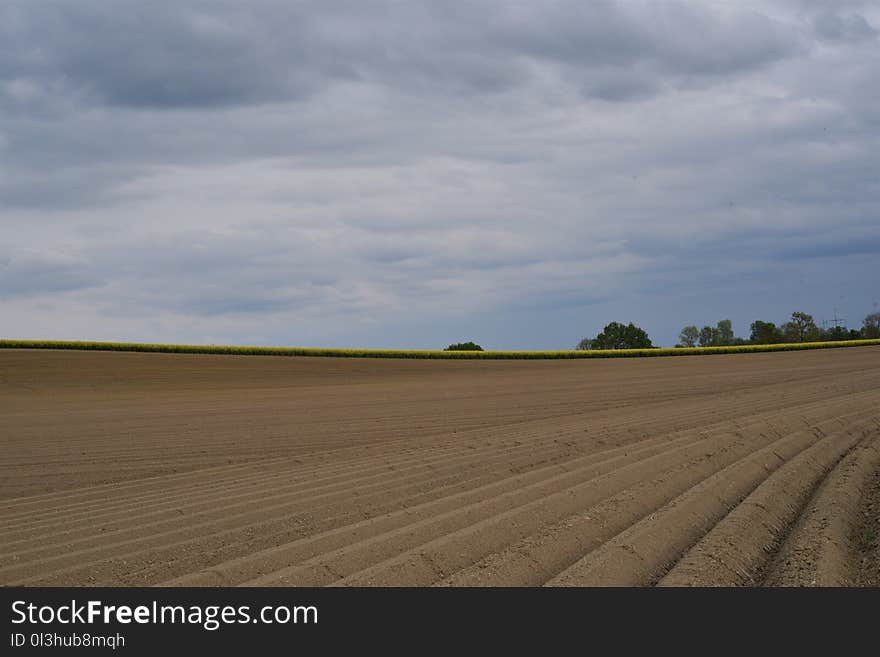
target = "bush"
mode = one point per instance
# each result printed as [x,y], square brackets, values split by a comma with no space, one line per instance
[619,336]
[464,346]
[765,333]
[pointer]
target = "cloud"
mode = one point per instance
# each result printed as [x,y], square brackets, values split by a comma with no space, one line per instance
[33,272]
[836,27]
[179,55]
[385,174]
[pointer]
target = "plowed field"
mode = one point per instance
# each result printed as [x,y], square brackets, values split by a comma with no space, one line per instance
[148,469]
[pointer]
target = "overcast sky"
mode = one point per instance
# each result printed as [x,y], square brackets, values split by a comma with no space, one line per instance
[409,174]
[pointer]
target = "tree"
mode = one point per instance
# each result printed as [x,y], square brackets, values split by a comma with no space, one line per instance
[618,336]
[724,333]
[765,333]
[708,336]
[464,346]
[585,345]
[871,326]
[835,333]
[801,328]
[718,336]
[689,336]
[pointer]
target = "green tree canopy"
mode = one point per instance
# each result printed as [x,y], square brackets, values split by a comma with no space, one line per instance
[464,346]
[724,335]
[801,328]
[711,336]
[765,333]
[708,337]
[689,336]
[619,336]
[835,333]
[871,326]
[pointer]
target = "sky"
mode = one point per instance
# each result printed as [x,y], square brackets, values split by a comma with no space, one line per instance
[410,174]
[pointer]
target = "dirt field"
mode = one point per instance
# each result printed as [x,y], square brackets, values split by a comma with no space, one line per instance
[141,469]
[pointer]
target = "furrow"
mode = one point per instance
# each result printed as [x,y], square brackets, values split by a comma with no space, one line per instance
[261,501]
[824,546]
[159,484]
[411,557]
[175,505]
[642,554]
[520,486]
[735,551]
[131,509]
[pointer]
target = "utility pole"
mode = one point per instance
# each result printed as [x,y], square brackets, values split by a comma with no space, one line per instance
[837,321]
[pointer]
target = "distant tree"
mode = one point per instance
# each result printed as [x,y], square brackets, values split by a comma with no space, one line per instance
[801,328]
[834,334]
[585,345]
[871,326]
[708,336]
[689,336]
[464,346]
[765,333]
[619,336]
[720,335]
[724,334]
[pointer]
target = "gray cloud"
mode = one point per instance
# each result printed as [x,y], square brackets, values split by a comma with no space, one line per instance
[33,272]
[220,54]
[155,55]
[843,27]
[385,174]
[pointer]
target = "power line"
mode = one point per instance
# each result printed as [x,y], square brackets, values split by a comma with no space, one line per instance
[837,321]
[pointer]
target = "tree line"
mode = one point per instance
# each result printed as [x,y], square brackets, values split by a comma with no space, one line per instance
[800,328]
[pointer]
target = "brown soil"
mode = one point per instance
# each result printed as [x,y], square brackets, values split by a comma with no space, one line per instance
[142,469]
[834,527]
[866,535]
